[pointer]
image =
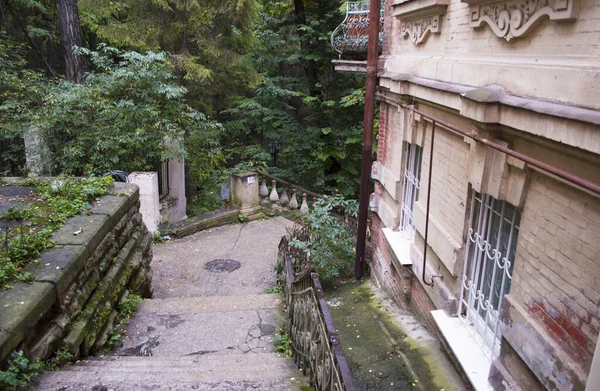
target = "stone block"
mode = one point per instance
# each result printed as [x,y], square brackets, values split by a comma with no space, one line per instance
[60,266]
[130,191]
[22,307]
[83,231]
[149,198]
[114,207]
[244,190]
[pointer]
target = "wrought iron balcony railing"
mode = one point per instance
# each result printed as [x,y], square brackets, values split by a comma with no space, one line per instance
[351,37]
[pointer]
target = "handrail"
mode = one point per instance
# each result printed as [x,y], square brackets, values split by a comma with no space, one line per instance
[288,184]
[315,343]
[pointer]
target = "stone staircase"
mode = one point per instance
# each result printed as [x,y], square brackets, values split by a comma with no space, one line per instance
[203,330]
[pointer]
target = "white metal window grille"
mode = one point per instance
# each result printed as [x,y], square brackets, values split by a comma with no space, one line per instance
[488,266]
[413,155]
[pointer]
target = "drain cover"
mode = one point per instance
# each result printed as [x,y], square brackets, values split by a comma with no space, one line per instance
[222,265]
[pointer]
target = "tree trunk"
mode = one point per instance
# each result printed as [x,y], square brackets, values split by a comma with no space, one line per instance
[310,68]
[70,36]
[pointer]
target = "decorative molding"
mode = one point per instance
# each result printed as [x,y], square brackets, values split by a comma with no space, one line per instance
[418,30]
[514,18]
[420,18]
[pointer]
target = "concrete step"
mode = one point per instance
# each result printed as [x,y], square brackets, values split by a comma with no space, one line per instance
[214,372]
[209,304]
[197,325]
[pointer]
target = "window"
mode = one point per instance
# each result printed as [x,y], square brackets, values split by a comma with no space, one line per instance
[410,191]
[489,261]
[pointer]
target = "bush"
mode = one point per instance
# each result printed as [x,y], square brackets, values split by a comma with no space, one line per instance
[330,246]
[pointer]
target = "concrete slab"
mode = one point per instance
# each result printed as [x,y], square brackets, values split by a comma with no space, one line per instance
[179,265]
[189,333]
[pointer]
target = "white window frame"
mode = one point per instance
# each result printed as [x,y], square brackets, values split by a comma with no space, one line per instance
[413,156]
[489,260]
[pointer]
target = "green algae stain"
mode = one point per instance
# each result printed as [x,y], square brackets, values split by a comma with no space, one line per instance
[380,354]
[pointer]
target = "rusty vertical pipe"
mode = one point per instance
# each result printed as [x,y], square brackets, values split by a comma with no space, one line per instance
[367,149]
[427,207]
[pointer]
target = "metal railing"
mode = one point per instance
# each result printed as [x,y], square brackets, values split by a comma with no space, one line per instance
[315,343]
[351,37]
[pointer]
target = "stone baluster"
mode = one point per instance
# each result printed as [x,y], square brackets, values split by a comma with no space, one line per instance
[263,192]
[293,201]
[284,199]
[304,207]
[274,197]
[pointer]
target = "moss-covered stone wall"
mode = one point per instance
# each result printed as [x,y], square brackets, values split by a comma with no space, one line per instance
[98,258]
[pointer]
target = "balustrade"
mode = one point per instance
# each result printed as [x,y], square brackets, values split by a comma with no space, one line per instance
[282,200]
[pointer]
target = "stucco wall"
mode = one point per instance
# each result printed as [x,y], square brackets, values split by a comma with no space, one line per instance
[554,60]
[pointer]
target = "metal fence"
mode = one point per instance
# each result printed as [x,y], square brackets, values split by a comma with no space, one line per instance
[315,343]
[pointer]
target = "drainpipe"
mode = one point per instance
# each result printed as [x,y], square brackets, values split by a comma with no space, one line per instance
[367,149]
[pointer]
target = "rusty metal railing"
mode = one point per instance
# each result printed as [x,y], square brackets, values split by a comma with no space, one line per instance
[315,344]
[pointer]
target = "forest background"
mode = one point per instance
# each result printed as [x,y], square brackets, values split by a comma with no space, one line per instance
[219,83]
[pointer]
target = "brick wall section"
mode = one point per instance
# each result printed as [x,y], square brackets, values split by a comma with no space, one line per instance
[557,267]
[449,182]
[382,134]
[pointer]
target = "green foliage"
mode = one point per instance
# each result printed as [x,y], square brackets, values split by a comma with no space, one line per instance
[129,305]
[242,218]
[314,111]
[20,372]
[157,238]
[283,343]
[60,358]
[21,91]
[275,289]
[57,200]
[207,40]
[128,115]
[330,247]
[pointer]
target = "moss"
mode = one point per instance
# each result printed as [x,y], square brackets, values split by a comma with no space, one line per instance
[380,354]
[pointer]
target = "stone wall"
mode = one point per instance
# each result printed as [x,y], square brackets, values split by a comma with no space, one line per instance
[78,284]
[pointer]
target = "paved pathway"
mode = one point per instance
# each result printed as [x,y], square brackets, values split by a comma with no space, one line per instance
[202,330]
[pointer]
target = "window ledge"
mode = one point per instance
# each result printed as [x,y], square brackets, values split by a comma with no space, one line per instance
[400,245]
[474,362]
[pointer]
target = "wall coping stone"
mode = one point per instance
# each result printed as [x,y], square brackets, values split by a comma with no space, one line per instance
[113,206]
[22,306]
[60,265]
[92,230]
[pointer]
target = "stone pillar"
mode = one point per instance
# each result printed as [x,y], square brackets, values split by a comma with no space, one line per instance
[37,154]
[244,190]
[177,191]
[149,203]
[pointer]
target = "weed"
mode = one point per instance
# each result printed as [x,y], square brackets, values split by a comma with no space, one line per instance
[283,343]
[61,357]
[157,238]
[20,372]
[242,218]
[275,289]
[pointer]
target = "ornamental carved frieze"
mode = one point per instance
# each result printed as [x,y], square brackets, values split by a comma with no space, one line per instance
[418,30]
[514,18]
[420,18]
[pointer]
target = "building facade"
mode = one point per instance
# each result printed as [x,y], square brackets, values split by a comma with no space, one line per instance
[509,275]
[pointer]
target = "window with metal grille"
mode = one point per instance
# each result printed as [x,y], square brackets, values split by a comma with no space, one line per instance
[413,155]
[487,272]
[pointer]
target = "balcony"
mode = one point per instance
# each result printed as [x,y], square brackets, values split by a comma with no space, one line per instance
[350,39]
